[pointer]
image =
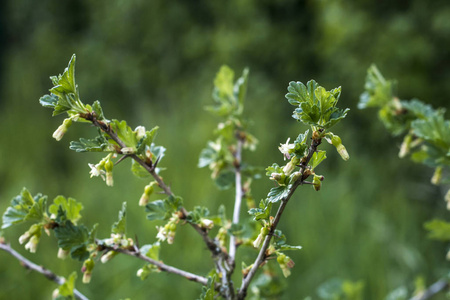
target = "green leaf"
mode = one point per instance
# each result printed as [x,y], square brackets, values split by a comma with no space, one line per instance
[24,207]
[151,251]
[98,110]
[70,207]
[297,93]
[207,157]
[124,132]
[438,230]
[224,81]
[73,238]
[158,210]
[209,291]
[199,213]
[147,140]
[37,211]
[138,170]
[278,193]
[317,158]
[379,91]
[49,101]
[99,144]
[263,211]
[240,89]
[120,226]
[66,289]
[225,179]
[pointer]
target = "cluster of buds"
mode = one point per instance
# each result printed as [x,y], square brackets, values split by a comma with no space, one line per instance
[286,263]
[148,191]
[118,239]
[104,169]
[167,232]
[146,270]
[31,236]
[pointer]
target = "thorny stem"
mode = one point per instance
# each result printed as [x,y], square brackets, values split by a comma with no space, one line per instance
[32,266]
[260,259]
[160,265]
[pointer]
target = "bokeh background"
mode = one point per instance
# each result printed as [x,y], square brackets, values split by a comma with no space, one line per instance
[153,63]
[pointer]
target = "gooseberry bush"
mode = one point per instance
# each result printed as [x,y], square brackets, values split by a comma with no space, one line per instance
[314,107]
[426,140]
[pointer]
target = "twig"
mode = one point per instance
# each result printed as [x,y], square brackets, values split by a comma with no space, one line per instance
[32,266]
[435,288]
[160,265]
[210,243]
[238,194]
[262,253]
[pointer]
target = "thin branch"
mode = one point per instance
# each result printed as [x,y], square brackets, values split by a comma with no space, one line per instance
[32,266]
[210,243]
[435,288]
[262,253]
[160,265]
[238,194]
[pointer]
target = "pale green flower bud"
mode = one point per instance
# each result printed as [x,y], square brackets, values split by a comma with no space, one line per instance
[62,129]
[289,168]
[262,235]
[87,268]
[286,263]
[336,141]
[140,132]
[437,176]
[108,256]
[447,198]
[109,175]
[206,223]
[62,254]
[148,191]
[128,150]
[32,244]
[317,182]
[406,146]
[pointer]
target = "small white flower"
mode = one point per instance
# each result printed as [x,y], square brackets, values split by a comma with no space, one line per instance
[162,233]
[140,272]
[207,223]
[95,171]
[24,237]
[128,150]
[286,149]
[140,132]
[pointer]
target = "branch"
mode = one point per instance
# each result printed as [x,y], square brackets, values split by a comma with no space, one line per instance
[435,288]
[262,253]
[210,243]
[32,266]
[238,194]
[160,265]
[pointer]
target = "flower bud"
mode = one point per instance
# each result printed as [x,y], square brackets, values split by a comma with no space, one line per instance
[289,168]
[32,244]
[447,198]
[286,263]
[336,141]
[140,132]
[62,129]
[262,234]
[109,175]
[437,176]
[317,182]
[128,150]
[206,223]
[87,268]
[108,256]
[62,254]
[148,190]
[406,146]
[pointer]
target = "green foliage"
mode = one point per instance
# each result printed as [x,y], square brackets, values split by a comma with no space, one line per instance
[438,230]
[99,144]
[23,208]
[316,106]
[65,290]
[69,207]
[163,209]
[208,291]
[120,227]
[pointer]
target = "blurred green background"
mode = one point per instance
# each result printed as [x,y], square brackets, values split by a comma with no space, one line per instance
[153,63]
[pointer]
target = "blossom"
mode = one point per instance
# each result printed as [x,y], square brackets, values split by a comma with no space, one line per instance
[287,149]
